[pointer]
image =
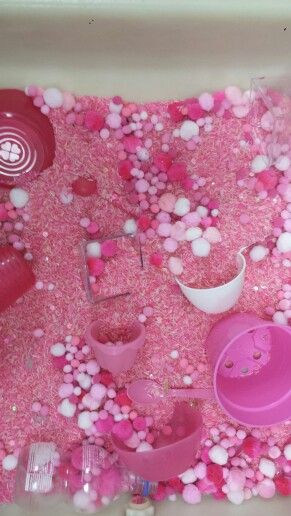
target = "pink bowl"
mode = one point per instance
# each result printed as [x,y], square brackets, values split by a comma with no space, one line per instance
[116,358]
[171,454]
[251,361]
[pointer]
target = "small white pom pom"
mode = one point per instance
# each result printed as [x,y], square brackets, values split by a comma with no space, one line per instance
[18,197]
[260,163]
[212,235]
[258,253]
[287,451]
[144,447]
[9,462]
[279,318]
[66,408]
[93,249]
[130,227]
[81,500]
[267,467]
[187,380]
[182,206]
[188,477]
[284,242]
[200,247]
[202,211]
[84,381]
[84,420]
[53,97]
[174,354]
[188,129]
[58,349]
[193,233]
[218,455]
[175,265]
[282,163]
[236,497]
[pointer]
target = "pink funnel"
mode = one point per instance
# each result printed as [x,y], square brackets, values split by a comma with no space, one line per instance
[171,454]
[251,369]
[116,358]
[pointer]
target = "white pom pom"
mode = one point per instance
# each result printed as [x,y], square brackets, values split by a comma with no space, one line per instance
[93,249]
[84,420]
[174,354]
[66,197]
[182,206]
[218,455]
[130,227]
[9,462]
[188,129]
[212,235]
[18,197]
[187,380]
[58,349]
[202,211]
[284,242]
[144,447]
[175,265]
[282,163]
[66,408]
[236,497]
[279,318]
[53,97]
[193,233]
[260,163]
[84,381]
[267,467]
[287,451]
[81,500]
[188,477]
[258,253]
[200,247]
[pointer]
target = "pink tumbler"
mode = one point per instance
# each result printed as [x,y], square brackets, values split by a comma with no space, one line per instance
[116,358]
[16,276]
[251,369]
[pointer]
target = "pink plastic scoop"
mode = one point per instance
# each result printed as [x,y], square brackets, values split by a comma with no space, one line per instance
[148,391]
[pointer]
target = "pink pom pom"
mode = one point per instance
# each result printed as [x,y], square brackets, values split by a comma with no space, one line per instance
[104,426]
[131,143]
[139,423]
[123,430]
[156,259]
[177,172]
[96,266]
[191,494]
[167,202]
[93,121]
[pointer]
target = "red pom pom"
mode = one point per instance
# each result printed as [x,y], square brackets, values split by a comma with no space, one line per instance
[106,378]
[215,474]
[283,485]
[156,259]
[122,399]
[144,222]
[95,266]
[251,446]
[175,111]
[94,121]
[177,172]
[84,187]
[176,484]
[163,161]
[59,362]
[124,169]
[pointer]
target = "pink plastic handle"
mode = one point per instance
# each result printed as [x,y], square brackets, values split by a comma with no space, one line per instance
[204,394]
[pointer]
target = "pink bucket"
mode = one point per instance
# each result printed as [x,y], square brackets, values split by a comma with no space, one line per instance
[116,359]
[251,369]
[171,454]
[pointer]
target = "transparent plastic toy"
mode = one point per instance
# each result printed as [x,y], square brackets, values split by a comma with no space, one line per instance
[271,114]
[114,281]
[38,483]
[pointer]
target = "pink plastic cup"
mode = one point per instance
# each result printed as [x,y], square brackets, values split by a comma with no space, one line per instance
[171,454]
[116,359]
[16,276]
[251,369]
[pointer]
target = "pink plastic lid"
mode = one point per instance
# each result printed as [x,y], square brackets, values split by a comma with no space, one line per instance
[27,142]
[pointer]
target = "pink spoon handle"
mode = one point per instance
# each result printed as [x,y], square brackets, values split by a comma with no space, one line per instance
[204,394]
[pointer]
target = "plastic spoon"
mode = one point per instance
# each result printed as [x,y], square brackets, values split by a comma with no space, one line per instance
[148,391]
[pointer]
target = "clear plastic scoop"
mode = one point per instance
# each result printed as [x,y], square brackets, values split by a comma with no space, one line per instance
[148,391]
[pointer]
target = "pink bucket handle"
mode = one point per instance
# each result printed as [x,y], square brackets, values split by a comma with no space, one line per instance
[203,394]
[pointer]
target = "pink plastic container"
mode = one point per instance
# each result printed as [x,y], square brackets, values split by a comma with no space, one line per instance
[116,358]
[251,369]
[16,276]
[171,454]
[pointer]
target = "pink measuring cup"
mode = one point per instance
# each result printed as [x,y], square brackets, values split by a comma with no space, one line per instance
[251,361]
[171,454]
[116,359]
